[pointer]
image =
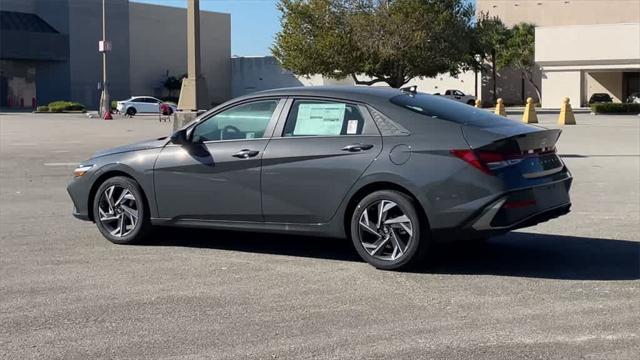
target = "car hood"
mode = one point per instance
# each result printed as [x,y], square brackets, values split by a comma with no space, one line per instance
[143,145]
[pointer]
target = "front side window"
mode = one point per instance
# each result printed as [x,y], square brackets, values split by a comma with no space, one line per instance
[323,118]
[247,121]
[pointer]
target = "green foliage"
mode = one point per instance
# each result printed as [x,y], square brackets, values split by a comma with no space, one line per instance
[519,52]
[114,104]
[60,106]
[615,108]
[488,41]
[388,41]
[43,108]
[56,108]
[172,83]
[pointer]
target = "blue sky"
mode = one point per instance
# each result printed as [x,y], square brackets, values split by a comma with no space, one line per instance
[254,23]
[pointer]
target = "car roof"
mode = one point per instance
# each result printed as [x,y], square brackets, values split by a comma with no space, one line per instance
[354,93]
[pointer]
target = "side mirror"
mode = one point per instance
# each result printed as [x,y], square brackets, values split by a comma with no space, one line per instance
[180,137]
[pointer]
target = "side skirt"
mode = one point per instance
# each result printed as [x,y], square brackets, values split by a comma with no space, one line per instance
[323,230]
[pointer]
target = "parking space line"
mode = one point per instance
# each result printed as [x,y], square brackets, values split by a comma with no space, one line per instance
[62,164]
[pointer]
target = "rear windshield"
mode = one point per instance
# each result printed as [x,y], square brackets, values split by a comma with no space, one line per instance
[439,107]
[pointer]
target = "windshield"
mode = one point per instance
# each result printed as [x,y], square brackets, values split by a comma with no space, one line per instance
[442,108]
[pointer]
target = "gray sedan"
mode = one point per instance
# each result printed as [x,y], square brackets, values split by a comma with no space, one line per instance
[392,170]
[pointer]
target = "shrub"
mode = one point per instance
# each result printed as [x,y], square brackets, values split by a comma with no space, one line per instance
[43,108]
[114,104]
[56,108]
[615,108]
[58,103]
[61,106]
[74,106]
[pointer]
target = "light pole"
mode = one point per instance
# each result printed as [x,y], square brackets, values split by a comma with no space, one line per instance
[104,46]
[193,94]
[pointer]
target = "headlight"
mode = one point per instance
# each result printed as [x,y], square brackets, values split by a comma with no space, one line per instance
[81,170]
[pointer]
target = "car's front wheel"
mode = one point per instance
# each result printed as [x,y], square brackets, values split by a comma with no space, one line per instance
[120,212]
[387,231]
[131,111]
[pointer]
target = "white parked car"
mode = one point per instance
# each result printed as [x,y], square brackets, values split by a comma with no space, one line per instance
[458,95]
[634,98]
[143,104]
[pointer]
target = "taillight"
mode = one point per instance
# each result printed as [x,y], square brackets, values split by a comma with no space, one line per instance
[470,157]
[486,161]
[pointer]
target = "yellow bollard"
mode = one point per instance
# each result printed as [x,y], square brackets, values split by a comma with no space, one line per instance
[478,103]
[500,108]
[566,114]
[529,116]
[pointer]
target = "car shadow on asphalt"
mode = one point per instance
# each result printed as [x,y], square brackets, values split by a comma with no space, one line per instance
[541,256]
[518,254]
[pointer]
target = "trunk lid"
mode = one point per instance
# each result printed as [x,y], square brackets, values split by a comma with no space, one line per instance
[518,153]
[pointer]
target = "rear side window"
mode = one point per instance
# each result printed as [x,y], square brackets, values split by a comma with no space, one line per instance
[438,107]
[323,118]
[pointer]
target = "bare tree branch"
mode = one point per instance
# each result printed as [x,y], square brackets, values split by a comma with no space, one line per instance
[364,82]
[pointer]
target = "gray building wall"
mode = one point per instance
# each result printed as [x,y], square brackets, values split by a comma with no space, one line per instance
[85,30]
[251,74]
[148,41]
[52,77]
[158,47]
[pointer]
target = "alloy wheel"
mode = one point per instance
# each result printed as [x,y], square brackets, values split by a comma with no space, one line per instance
[118,211]
[385,230]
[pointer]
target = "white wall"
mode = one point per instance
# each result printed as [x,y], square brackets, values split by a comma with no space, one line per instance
[556,85]
[256,73]
[251,74]
[588,44]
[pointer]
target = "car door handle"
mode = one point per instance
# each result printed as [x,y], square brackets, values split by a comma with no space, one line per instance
[357,147]
[246,153]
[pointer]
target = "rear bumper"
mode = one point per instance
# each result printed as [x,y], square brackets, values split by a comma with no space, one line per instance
[514,210]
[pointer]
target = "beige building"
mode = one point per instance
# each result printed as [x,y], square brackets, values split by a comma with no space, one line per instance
[582,47]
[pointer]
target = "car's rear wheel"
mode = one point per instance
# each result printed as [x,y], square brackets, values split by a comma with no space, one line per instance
[120,211]
[387,230]
[131,111]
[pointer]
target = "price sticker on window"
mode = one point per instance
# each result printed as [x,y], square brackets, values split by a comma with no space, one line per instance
[352,127]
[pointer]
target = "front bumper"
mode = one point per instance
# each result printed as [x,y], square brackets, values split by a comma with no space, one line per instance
[79,191]
[80,216]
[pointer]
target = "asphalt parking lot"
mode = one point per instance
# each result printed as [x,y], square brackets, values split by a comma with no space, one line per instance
[568,288]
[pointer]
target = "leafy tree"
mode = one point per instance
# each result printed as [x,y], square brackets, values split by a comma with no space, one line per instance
[489,41]
[519,52]
[389,41]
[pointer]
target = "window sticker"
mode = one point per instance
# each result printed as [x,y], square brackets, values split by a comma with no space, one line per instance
[319,119]
[352,127]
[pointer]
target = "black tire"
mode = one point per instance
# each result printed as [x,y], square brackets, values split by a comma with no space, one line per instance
[136,232]
[471,102]
[416,244]
[131,111]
